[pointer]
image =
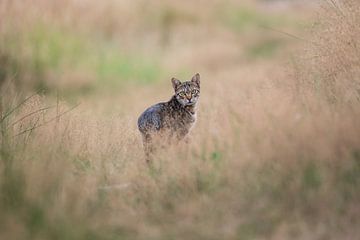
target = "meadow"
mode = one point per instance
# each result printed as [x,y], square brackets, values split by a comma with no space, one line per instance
[275,153]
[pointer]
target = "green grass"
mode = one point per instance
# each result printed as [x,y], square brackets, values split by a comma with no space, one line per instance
[56,51]
[243,19]
[53,48]
[264,49]
[112,68]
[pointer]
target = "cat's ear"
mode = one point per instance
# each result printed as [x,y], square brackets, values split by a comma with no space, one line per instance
[196,79]
[175,83]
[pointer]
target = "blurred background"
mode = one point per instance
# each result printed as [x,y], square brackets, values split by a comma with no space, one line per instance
[275,153]
[81,48]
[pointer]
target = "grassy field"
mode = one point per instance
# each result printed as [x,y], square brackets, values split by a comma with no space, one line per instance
[275,153]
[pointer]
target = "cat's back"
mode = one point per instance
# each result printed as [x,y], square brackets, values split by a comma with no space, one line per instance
[150,119]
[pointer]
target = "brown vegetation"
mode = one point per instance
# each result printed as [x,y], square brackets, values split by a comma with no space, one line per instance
[275,153]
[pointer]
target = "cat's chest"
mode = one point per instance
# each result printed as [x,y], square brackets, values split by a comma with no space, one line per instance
[182,120]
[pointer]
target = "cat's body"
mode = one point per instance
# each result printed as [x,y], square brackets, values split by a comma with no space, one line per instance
[172,120]
[168,118]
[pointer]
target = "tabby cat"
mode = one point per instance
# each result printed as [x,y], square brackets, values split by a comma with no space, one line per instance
[170,120]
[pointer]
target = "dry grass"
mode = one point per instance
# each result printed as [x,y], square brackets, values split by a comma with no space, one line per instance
[331,62]
[275,153]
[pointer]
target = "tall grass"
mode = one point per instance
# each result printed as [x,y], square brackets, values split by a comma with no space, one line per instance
[331,62]
[272,156]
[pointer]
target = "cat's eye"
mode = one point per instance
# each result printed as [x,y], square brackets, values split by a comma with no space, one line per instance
[194,91]
[181,94]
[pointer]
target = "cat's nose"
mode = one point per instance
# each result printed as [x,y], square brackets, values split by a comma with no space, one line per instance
[188,97]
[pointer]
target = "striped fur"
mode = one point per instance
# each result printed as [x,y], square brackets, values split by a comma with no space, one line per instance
[170,120]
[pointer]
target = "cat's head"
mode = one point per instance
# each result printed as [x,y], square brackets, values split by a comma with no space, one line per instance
[187,93]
